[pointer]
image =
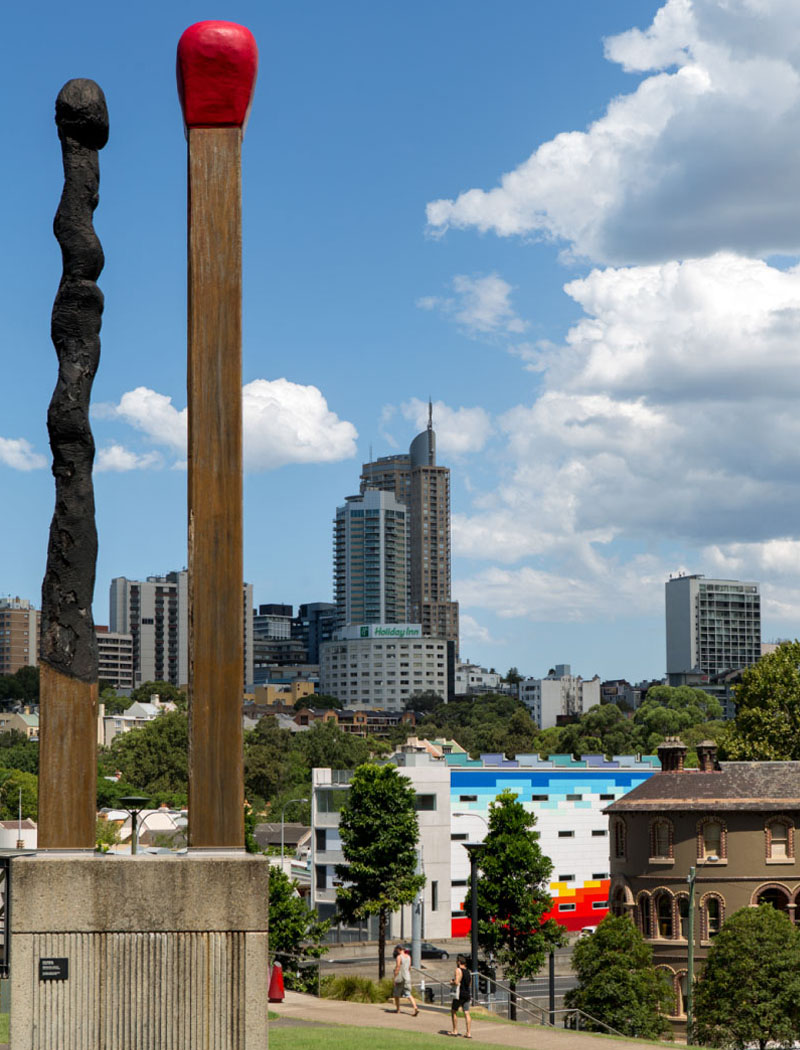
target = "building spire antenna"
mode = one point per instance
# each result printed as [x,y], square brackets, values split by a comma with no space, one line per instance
[430,413]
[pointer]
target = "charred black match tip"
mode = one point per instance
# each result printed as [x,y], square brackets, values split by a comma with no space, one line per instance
[81,113]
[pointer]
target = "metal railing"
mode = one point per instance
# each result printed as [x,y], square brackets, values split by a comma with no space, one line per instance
[441,993]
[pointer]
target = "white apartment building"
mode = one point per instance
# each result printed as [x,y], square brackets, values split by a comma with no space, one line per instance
[470,679]
[382,665]
[155,612]
[114,658]
[713,626]
[560,693]
[431,783]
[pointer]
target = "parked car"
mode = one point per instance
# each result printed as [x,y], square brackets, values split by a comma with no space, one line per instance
[587,931]
[430,951]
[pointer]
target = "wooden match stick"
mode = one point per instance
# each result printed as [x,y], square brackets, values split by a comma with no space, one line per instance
[68,665]
[217,64]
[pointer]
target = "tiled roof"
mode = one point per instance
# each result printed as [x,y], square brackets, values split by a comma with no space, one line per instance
[734,786]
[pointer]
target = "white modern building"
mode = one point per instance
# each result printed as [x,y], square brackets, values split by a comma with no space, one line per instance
[559,694]
[471,679]
[431,783]
[370,559]
[383,665]
[713,626]
[155,612]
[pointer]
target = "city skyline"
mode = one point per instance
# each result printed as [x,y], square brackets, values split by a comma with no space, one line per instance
[574,227]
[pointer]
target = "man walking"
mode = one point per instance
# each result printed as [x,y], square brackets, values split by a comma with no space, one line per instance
[462,994]
[402,979]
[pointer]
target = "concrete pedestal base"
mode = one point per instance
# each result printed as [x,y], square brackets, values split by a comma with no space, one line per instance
[162,952]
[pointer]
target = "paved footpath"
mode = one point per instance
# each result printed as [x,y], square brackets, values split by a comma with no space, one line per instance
[432,1019]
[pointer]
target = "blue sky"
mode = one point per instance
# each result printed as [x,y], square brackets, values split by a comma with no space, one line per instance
[575,226]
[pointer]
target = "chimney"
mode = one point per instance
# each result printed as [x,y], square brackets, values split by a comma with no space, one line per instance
[707,756]
[672,755]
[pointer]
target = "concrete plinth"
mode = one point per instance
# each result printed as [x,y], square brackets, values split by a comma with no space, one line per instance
[163,952]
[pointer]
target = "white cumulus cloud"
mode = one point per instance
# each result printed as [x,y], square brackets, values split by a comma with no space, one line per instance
[117,458]
[18,454]
[703,155]
[458,430]
[283,422]
[482,305]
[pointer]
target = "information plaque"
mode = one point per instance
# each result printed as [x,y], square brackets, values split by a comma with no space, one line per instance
[53,969]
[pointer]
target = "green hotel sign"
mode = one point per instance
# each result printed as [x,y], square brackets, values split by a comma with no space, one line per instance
[392,630]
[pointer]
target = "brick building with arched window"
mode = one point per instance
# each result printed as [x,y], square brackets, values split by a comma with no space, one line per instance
[734,822]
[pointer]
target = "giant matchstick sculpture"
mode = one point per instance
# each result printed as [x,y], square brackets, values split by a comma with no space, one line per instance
[217,64]
[68,766]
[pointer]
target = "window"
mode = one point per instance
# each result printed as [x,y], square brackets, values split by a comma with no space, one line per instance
[600,875]
[597,905]
[683,917]
[434,896]
[620,837]
[664,916]
[779,839]
[331,800]
[540,798]
[566,834]
[607,798]
[566,878]
[320,839]
[566,907]
[322,876]
[713,916]
[425,802]
[712,839]
[458,838]
[596,832]
[467,798]
[661,838]
[645,924]
[574,798]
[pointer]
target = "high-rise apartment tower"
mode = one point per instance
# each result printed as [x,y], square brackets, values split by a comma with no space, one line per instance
[423,487]
[713,626]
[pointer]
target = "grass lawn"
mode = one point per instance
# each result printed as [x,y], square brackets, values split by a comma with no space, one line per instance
[344,1038]
[4,1028]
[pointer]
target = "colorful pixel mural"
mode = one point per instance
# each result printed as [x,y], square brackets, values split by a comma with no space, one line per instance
[567,796]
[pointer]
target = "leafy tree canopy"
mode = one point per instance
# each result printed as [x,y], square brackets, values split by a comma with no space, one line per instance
[512,894]
[12,782]
[767,723]
[295,933]
[167,693]
[379,832]
[154,758]
[617,982]
[22,685]
[749,990]
[671,711]
[603,729]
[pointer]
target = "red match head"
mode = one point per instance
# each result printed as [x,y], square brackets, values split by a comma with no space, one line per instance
[217,65]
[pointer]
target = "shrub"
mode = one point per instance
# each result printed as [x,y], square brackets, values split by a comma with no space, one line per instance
[356,989]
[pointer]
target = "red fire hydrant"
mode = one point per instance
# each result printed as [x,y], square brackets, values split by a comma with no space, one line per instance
[276,994]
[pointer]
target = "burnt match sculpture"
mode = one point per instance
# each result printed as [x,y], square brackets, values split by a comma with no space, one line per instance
[68,703]
[217,64]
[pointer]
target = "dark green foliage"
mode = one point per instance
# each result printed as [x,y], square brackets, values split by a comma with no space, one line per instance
[155,758]
[671,711]
[167,693]
[484,723]
[23,685]
[295,932]
[114,705]
[17,752]
[354,989]
[749,990]
[617,982]
[603,729]
[11,782]
[767,724]
[318,701]
[379,831]
[512,894]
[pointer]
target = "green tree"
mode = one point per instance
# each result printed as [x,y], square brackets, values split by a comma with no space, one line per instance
[603,729]
[15,784]
[749,991]
[767,723]
[670,711]
[512,676]
[379,831]
[154,757]
[512,898]
[295,932]
[114,705]
[617,982]
[18,752]
[167,693]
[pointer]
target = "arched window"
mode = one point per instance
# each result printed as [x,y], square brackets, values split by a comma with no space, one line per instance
[645,923]
[683,916]
[779,835]
[661,838]
[712,915]
[618,831]
[777,896]
[674,1007]
[712,839]
[664,916]
[681,991]
[617,902]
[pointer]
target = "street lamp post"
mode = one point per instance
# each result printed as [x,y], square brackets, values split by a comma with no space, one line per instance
[473,849]
[283,811]
[134,804]
[691,878]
